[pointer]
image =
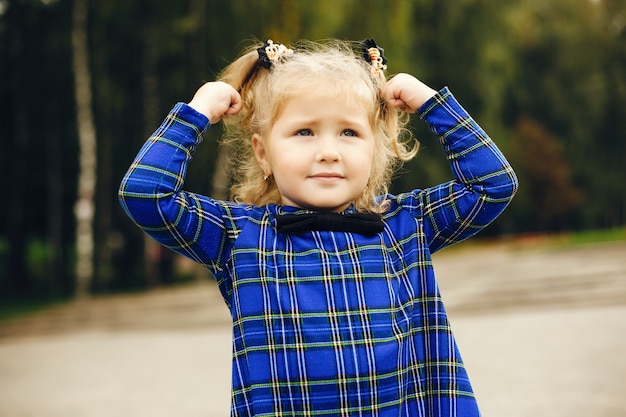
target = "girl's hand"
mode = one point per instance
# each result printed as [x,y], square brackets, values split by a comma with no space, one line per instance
[216,99]
[407,93]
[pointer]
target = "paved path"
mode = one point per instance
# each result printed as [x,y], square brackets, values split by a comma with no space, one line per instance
[542,331]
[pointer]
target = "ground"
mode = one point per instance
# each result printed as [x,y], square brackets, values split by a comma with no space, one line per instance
[541,328]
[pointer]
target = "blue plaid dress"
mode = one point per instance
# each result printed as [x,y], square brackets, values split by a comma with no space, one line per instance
[330,323]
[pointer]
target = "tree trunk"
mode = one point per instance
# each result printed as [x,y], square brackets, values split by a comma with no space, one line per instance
[84,206]
[56,217]
[18,280]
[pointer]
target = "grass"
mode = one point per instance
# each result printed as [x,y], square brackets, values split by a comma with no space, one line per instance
[597,236]
[12,308]
[564,240]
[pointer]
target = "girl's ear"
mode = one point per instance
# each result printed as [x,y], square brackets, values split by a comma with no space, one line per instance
[261,154]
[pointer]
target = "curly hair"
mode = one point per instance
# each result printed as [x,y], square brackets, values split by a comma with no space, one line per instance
[338,68]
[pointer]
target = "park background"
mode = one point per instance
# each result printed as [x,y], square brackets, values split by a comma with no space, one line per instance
[84,83]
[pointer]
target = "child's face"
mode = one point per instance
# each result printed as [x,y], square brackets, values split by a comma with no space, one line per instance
[319,151]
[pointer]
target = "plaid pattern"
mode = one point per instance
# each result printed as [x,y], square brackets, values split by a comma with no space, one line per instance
[331,323]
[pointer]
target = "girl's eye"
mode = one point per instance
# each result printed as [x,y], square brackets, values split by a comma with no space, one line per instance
[304,132]
[349,132]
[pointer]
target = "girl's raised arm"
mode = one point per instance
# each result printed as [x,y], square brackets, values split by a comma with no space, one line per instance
[484,182]
[151,192]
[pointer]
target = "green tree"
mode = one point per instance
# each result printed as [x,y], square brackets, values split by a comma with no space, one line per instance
[549,197]
[569,55]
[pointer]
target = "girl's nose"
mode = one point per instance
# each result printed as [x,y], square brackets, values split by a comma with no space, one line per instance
[328,150]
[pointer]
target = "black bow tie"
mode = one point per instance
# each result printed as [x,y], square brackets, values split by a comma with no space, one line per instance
[363,223]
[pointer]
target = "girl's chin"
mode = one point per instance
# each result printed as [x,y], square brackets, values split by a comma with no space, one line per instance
[319,206]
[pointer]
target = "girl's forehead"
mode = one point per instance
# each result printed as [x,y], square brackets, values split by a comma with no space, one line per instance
[325,98]
[343,101]
[349,95]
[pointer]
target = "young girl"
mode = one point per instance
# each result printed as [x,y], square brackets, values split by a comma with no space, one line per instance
[329,279]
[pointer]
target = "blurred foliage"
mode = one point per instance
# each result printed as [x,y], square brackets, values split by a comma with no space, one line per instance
[545,79]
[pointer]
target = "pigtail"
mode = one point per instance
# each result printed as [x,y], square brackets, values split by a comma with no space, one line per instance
[250,184]
[240,74]
[240,71]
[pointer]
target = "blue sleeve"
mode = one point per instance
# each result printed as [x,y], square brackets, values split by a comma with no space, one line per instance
[152,196]
[484,182]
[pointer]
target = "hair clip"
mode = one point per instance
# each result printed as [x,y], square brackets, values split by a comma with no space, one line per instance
[272,52]
[374,54]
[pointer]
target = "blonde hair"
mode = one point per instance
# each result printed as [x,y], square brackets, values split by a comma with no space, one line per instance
[335,66]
